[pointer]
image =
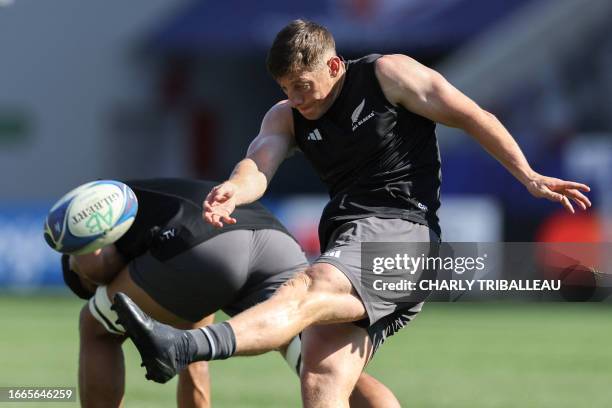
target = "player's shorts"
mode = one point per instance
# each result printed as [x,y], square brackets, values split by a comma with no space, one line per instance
[231,271]
[385,318]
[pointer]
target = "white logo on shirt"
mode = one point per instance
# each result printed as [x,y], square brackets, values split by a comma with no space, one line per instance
[167,234]
[356,113]
[422,206]
[315,135]
[333,254]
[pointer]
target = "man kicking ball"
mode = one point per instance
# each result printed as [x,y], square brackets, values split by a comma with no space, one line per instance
[368,128]
[181,270]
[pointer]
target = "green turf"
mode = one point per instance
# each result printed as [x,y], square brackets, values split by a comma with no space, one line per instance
[453,355]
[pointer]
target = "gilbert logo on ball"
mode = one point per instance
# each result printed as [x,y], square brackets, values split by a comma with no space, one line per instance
[90,217]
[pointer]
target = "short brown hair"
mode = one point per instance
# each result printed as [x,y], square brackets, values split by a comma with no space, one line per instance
[300,46]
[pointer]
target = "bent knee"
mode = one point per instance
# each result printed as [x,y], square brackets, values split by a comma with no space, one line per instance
[88,325]
[318,278]
[315,380]
[99,267]
[327,278]
[324,386]
[95,275]
[320,367]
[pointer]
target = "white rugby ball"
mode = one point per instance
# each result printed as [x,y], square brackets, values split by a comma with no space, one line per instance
[90,217]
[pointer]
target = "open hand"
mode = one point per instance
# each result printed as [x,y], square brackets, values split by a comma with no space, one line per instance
[219,205]
[560,191]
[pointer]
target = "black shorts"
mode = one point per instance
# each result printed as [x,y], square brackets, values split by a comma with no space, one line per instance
[232,272]
[385,317]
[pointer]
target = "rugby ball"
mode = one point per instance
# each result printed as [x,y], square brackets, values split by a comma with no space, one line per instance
[90,217]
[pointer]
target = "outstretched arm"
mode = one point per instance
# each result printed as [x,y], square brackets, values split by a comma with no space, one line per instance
[424,91]
[251,176]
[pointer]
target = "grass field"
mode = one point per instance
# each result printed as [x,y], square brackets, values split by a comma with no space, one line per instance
[453,355]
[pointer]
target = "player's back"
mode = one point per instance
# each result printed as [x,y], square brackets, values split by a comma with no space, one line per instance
[169,219]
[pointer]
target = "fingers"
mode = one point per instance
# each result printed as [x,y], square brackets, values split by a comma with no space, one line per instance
[208,212]
[218,206]
[228,220]
[573,185]
[579,203]
[565,192]
[217,216]
[580,199]
[213,219]
[223,192]
[560,198]
[566,203]
[207,206]
[208,217]
[217,220]
[574,195]
[219,194]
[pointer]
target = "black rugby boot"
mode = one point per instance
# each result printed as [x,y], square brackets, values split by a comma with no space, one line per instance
[164,350]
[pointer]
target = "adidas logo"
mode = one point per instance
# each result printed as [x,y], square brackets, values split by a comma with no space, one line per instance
[315,135]
[333,254]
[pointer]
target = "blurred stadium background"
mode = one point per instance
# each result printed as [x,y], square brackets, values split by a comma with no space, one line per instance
[151,88]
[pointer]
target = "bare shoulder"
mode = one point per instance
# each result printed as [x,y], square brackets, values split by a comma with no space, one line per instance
[399,74]
[281,108]
[279,118]
[276,127]
[395,66]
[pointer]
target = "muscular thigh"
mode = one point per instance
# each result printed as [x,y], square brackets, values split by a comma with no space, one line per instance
[326,277]
[326,293]
[338,351]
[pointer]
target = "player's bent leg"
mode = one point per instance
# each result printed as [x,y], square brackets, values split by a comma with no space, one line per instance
[333,359]
[101,369]
[371,393]
[368,392]
[321,294]
[193,387]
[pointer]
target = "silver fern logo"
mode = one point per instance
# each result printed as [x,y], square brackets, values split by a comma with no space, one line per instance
[357,111]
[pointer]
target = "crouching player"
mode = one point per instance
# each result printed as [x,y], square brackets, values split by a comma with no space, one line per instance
[180,270]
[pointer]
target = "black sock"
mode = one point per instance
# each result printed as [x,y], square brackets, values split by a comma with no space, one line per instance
[214,342]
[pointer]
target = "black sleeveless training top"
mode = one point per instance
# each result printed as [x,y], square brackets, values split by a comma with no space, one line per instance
[169,219]
[375,158]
